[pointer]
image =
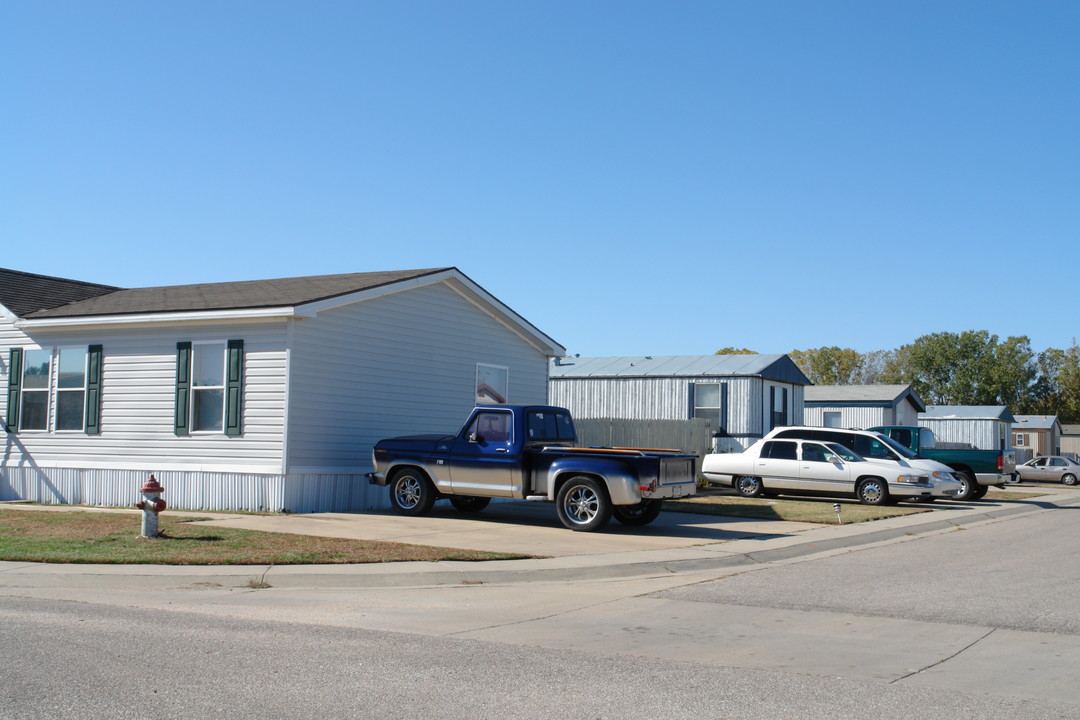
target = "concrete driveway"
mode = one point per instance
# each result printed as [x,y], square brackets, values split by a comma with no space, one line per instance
[518,527]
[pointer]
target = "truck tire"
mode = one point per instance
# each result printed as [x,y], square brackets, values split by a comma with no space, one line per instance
[979,492]
[967,485]
[469,503]
[749,487]
[583,504]
[411,492]
[641,514]
[872,491]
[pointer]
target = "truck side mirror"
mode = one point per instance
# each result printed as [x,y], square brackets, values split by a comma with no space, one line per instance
[474,437]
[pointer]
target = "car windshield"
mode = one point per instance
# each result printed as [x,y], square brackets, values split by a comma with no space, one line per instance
[844,453]
[904,452]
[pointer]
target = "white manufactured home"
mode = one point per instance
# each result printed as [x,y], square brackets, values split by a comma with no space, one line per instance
[861,406]
[742,396]
[258,395]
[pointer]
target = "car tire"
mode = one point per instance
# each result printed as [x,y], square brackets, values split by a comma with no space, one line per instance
[873,491]
[967,486]
[979,492]
[583,504]
[1068,479]
[469,503]
[411,492]
[642,513]
[749,487]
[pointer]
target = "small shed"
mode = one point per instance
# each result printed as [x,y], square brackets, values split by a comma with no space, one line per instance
[977,426]
[861,406]
[1070,440]
[1036,435]
[742,397]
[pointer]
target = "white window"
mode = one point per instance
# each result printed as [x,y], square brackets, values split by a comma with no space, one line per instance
[492,384]
[42,397]
[208,387]
[709,403]
[70,388]
[1020,439]
[832,419]
[36,384]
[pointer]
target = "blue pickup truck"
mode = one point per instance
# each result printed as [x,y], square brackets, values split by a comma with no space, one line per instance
[530,452]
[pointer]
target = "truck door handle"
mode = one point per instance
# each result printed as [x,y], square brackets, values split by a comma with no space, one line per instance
[502,450]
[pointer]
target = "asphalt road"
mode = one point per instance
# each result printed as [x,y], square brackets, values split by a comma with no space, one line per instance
[974,622]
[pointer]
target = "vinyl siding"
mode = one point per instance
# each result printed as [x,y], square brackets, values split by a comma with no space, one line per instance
[980,434]
[138,376]
[397,364]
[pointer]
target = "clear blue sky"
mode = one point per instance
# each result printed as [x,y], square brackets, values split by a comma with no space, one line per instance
[660,178]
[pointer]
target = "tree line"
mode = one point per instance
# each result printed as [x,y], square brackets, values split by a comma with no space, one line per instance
[973,367]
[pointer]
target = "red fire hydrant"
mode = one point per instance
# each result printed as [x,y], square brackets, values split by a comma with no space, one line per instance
[151,504]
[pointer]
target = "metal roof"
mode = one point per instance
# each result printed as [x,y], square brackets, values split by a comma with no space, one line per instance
[877,395]
[771,367]
[1035,422]
[968,412]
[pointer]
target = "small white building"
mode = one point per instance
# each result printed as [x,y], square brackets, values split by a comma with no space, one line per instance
[861,406]
[979,427]
[1034,435]
[742,396]
[260,395]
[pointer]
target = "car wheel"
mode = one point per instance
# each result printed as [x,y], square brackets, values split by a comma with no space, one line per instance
[979,491]
[583,504]
[641,514]
[411,492]
[1068,479]
[872,491]
[469,503]
[750,487]
[967,486]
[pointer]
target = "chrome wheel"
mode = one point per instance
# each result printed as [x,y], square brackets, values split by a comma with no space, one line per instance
[1068,479]
[873,492]
[411,492]
[750,487]
[583,504]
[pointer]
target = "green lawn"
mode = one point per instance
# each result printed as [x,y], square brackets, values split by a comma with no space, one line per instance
[101,537]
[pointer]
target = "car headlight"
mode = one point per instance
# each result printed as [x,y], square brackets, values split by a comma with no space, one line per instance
[911,479]
[942,475]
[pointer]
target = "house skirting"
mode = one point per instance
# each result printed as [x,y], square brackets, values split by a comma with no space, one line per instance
[195,490]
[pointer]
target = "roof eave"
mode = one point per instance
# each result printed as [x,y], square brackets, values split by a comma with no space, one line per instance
[169,317]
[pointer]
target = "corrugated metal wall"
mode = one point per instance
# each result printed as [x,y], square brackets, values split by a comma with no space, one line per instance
[850,417]
[982,434]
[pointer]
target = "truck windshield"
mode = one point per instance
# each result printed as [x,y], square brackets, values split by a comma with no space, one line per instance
[548,426]
[927,439]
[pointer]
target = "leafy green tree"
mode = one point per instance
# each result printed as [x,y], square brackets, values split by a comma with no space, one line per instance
[970,368]
[734,351]
[830,365]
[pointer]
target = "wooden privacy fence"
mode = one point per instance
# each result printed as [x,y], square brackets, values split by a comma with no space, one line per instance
[692,436]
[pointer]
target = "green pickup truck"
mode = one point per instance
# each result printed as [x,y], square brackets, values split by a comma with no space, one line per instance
[977,470]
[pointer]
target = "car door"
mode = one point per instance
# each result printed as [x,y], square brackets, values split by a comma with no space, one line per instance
[778,465]
[1056,468]
[1035,470]
[823,471]
[482,458]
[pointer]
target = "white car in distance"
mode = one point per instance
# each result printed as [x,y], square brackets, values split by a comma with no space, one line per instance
[809,467]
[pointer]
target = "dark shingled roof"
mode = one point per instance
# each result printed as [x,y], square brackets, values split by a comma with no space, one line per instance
[25,293]
[246,295]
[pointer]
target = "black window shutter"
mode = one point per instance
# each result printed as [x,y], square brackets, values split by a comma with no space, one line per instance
[723,407]
[93,390]
[234,386]
[692,411]
[14,385]
[182,423]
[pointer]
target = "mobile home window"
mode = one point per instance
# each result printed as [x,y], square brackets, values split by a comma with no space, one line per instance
[36,381]
[709,403]
[492,384]
[832,419]
[1021,439]
[70,388]
[208,387]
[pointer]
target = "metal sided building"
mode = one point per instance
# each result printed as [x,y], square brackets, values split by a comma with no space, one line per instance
[1036,435]
[861,406]
[743,396]
[981,427]
[259,395]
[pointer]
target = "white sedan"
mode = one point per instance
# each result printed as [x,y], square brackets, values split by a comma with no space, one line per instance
[813,468]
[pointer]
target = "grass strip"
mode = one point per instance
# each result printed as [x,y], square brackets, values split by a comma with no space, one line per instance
[113,538]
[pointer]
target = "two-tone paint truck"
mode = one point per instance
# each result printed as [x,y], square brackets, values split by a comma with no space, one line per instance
[530,452]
